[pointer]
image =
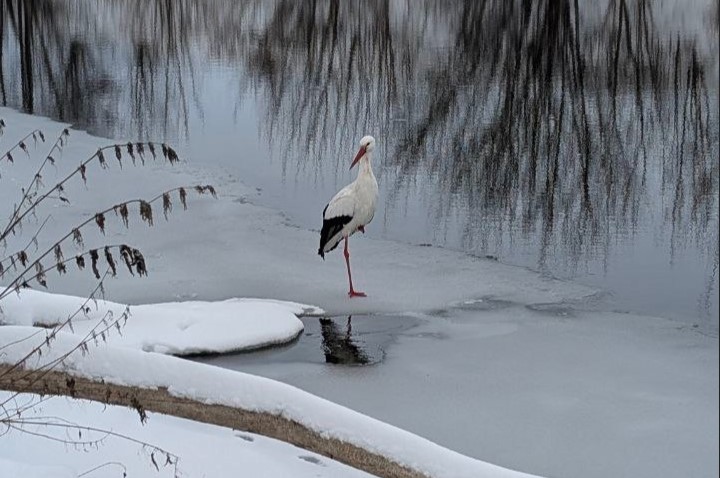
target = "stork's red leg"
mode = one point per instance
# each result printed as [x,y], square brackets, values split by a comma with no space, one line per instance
[352,292]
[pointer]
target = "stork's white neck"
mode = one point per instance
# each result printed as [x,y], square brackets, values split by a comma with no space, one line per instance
[364,166]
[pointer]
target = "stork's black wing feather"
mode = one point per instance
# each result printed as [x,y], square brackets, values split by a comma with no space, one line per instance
[331,227]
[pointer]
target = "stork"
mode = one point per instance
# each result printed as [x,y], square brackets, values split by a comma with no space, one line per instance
[351,209]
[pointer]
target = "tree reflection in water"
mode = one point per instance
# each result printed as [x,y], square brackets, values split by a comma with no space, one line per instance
[541,122]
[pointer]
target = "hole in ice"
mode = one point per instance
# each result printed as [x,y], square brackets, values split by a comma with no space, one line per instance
[357,340]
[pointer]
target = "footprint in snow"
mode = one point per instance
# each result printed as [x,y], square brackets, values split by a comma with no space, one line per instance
[244,437]
[311,459]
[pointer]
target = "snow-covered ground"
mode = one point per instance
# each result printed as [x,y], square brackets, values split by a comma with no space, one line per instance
[532,383]
[177,328]
[204,450]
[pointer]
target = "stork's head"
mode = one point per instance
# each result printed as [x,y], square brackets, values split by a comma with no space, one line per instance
[367,145]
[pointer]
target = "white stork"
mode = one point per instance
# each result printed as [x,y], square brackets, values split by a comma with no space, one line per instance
[351,209]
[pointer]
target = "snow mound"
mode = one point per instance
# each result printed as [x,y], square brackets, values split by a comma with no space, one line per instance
[177,328]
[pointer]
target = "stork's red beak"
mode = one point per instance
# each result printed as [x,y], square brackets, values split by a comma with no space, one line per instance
[358,156]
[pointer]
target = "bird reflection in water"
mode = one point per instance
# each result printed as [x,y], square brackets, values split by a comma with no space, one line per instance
[338,344]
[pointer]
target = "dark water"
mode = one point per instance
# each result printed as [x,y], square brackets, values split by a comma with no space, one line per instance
[342,341]
[577,138]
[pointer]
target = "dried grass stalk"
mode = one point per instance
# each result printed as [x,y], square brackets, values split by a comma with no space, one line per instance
[57,250]
[110,261]
[101,159]
[140,149]
[139,261]
[167,204]
[22,257]
[40,275]
[131,152]
[77,237]
[133,258]
[122,211]
[100,221]
[206,189]
[183,198]
[146,212]
[94,260]
[127,256]
[118,155]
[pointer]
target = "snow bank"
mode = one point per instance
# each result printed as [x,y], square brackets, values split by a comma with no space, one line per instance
[177,328]
[203,450]
[212,385]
